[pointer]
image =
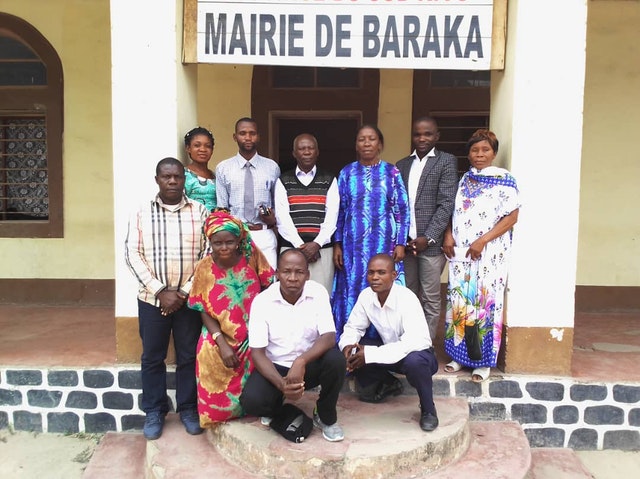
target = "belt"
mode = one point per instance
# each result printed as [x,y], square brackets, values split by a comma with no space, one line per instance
[257,227]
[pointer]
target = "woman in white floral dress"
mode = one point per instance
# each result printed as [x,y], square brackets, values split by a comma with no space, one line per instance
[478,243]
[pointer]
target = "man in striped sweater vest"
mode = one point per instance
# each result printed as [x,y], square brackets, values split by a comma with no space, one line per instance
[306,204]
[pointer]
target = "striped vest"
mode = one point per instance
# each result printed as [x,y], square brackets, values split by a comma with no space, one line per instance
[307,203]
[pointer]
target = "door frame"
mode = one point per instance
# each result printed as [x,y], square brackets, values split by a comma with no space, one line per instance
[275,115]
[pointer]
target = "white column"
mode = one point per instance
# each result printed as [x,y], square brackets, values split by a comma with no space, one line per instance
[537,114]
[153,105]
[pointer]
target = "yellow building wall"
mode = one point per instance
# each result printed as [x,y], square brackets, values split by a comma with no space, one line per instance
[226,92]
[394,112]
[79,31]
[609,235]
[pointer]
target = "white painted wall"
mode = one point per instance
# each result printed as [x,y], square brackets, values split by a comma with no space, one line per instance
[537,105]
[151,102]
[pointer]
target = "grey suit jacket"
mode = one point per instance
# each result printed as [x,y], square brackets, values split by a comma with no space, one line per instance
[435,196]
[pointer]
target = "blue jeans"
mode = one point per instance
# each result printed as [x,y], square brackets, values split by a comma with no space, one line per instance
[155,331]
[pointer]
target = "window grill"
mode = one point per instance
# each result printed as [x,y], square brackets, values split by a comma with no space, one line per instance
[24,189]
[31,128]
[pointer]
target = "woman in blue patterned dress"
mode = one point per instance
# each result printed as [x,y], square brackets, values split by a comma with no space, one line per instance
[373,218]
[200,182]
[478,243]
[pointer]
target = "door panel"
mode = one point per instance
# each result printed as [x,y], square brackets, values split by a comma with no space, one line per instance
[459,101]
[336,140]
[329,103]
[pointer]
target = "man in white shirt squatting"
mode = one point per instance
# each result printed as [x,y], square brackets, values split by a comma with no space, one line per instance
[292,338]
[405,348]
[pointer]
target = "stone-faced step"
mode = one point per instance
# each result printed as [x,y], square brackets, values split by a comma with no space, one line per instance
[120,455]
[381,441]
[553,463]
[498,450]
[176,454]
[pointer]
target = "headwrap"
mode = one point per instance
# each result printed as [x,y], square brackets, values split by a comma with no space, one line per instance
[221,220]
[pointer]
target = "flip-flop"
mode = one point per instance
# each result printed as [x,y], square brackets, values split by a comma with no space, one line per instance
[452,367]
[480,374]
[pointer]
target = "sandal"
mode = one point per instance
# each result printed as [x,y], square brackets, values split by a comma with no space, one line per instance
[452,367]
[479,375]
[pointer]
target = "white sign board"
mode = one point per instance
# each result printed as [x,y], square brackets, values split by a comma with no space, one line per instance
[415,34]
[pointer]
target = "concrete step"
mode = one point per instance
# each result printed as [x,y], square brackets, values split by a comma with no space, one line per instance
[381,441]
[552,463]
[498,450]
[177,455]
[120,455]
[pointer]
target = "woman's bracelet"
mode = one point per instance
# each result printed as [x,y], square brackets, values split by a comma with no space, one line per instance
[215,336]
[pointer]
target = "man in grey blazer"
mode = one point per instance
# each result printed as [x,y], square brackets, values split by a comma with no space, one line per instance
[431,179]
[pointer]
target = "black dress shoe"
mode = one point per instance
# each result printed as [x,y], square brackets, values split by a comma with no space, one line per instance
[383,391]
[428,421]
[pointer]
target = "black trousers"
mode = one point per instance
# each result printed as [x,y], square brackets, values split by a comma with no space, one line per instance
[417,366]
[261,398]
[155,331]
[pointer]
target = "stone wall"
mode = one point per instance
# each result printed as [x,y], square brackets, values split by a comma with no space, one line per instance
[553,412]
[556,412]
[72,400]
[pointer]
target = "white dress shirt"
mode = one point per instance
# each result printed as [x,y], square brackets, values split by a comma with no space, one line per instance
[400,323]
[288,330]
[230,175]
[287,228]
[417,167]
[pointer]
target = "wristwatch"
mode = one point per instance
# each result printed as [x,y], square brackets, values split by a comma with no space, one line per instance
[430,241]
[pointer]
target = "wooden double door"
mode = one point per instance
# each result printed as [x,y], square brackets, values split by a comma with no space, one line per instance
[331,103]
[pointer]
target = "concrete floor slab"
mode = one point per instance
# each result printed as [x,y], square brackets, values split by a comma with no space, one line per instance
[552,463]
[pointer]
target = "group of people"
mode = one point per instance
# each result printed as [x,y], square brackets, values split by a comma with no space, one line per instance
[273,283]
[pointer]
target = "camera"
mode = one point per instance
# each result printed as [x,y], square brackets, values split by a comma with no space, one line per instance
[264,210]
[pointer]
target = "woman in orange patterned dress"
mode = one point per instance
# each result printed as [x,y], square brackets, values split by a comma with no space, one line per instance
[224,286]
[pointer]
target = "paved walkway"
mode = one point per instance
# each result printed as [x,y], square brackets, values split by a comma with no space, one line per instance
[54,456]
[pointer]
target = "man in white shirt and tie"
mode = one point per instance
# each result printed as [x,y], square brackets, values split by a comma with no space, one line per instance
[245,184]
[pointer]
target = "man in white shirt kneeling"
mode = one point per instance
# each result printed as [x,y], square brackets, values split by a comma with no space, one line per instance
[292,338]
[405,348]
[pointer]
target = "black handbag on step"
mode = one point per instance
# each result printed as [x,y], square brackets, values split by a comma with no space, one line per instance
[472,333]
[473,341]
[292,423]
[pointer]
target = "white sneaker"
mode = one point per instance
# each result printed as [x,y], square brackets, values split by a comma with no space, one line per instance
[333,433]
[266,421]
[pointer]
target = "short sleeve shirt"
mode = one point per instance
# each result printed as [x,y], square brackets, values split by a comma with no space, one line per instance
[288,330]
